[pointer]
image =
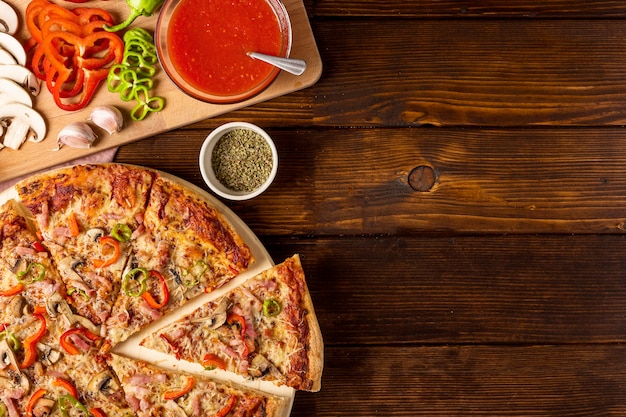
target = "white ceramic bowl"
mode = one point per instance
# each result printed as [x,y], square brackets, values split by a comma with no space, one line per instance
[206,166]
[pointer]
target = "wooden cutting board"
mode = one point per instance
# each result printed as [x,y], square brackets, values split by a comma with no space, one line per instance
[180,109]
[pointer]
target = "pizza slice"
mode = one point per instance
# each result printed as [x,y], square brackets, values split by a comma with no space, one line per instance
[86,216]
[263,329]
[205,251]
[153,391]
[25,265]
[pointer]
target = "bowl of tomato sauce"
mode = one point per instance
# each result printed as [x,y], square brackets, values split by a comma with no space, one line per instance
[203,46]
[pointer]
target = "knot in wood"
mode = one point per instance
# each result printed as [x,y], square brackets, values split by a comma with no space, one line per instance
[422,178]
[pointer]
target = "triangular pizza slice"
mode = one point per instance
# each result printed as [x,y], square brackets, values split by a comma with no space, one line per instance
[86,216]
[263,329]
[154,391]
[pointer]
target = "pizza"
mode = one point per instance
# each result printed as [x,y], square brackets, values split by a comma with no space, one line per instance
[263,329]
[91,255]
[158,392]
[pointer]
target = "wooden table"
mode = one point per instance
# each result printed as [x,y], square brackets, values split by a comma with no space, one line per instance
[456,186]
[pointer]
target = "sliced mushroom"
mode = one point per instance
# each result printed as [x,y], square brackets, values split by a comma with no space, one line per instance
[17,305]
[47,355]
[7,356]
[22,76]
[217,317]
[21,380]
[24,120]
[92,235]
[57,306]
[104,383]
[43,407]
[6,57]
[261,366]
[10,44]
[12,91]
[8,18]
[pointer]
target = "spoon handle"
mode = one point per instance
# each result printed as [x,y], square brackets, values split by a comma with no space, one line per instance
[291,65]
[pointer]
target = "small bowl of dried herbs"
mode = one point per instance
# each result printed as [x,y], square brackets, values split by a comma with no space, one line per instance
[238,161]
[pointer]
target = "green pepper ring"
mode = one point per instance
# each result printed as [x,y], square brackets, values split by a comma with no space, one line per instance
[130,275]
[22,274]
[271,307]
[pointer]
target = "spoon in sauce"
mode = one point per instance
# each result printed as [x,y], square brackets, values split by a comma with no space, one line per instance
[291,65]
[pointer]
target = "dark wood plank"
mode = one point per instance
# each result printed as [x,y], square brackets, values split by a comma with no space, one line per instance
[465,289]
[412,381]
[357,181]
[507,73]
[471,8]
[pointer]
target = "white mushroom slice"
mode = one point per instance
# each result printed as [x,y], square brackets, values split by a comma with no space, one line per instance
[14,47]
[22,120]
[22,76]
[9,89]
[6,57]
[8,18]
[7,357]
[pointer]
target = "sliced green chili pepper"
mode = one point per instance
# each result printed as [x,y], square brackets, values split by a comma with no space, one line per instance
[134,282]
[132,78]
[65,400]
[79,291]
[28,276]
[145,104]
[137,33]
[11,339]
[141,63]
[271,307]
[121,232]
[137,8]
[195,272]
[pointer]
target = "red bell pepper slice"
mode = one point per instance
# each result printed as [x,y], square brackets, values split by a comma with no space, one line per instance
[73,52]
[164,293]
[67,344]
[69,387]
[97,412]
[30,406]
[174,394]
[234,318]
[16,289]
[172,345]
[108,241]
[30,344]
[229,406]
[211,361]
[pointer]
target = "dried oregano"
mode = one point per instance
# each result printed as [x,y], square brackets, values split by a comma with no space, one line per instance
[242,160]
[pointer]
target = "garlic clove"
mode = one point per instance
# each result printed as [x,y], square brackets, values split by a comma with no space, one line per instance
[76,135]
[109,118]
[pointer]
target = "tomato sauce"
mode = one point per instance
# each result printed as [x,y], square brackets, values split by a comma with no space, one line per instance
[209,41]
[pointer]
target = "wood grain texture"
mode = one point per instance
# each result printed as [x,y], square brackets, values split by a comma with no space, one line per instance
[408,381]
[471,8]
[507,73]
[500,290]
[355,181]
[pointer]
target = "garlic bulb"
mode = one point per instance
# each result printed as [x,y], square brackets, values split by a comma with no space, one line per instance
[76,135]
[108,118]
